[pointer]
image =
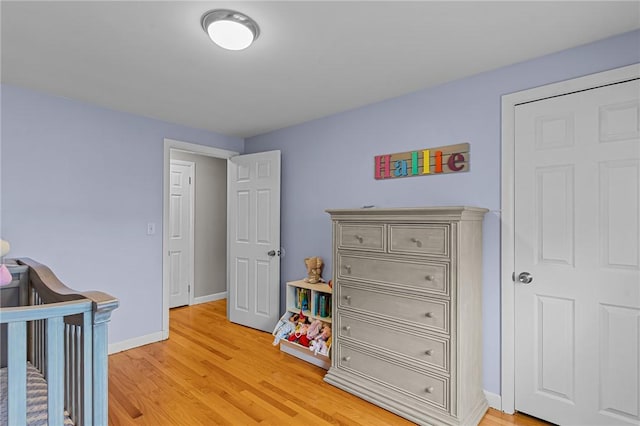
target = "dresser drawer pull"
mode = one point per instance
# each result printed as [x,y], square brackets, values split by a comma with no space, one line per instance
[346,358]
[429,389]
[359,238]
[348,268]
[416,241]
[430,277]
[347,298]
[428,352]
[346,328]
[429,315]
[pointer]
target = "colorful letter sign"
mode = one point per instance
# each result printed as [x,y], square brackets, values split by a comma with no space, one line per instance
[432,161]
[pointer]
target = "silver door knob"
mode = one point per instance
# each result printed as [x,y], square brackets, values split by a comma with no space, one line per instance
[525,277]
[272,253]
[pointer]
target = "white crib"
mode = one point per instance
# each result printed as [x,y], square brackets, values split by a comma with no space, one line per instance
[55,350]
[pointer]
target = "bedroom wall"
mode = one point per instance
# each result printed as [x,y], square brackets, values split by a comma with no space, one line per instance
[79,184]
[328,163]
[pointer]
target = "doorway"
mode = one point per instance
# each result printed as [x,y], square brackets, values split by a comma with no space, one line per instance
[208,254]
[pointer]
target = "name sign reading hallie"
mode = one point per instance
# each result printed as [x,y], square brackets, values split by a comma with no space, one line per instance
[432,161]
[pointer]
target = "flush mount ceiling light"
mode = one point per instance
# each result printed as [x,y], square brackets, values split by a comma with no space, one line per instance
[230,29]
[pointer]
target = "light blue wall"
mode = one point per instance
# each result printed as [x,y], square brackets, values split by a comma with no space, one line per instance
[328,163]
[79,185]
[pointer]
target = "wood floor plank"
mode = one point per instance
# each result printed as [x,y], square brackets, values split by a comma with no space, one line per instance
[213,372]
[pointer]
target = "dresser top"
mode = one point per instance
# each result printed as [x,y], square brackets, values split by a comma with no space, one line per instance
[410,213]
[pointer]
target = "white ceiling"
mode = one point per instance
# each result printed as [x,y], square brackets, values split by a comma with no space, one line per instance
[312,59]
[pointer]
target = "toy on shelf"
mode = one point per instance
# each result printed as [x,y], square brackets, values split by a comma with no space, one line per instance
[314,270]
[284,328]
[322,343]
[301,329]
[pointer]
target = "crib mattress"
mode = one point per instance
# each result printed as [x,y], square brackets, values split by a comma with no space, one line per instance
[36,398]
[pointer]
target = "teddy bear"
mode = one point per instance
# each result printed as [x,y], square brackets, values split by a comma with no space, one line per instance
[314,269]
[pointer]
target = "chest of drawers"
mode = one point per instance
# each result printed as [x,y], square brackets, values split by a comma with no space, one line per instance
[408,311]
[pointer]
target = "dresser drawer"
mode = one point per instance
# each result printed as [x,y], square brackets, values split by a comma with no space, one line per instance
[420,385]
[409,311]
[432,352]
[428,239]
[412,274]
[362,236]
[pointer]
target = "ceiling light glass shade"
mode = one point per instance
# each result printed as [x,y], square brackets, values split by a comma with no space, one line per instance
[230,29]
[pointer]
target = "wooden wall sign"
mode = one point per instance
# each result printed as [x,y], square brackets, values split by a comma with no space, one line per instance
[444,159]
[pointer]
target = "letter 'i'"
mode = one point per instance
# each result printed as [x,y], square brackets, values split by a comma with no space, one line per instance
[414,163]
[438,162]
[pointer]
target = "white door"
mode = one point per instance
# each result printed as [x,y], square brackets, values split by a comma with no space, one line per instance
[180,232]
[254,239]
[577,232]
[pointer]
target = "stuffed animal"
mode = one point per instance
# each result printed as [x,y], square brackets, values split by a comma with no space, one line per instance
[301,328]
[326,333]
[322,342]
[283,332]
[314,269]
[5,275]
[312,333]
[322,347]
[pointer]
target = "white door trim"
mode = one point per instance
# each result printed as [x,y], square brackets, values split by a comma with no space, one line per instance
[509,103]
[170,144]
[192,194]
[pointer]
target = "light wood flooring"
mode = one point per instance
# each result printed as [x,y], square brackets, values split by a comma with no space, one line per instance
[213,372]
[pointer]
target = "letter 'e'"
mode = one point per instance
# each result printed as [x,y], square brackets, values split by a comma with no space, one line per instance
[454,159]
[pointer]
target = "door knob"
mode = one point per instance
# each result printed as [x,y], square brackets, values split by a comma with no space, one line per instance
[525,277]
[272,253]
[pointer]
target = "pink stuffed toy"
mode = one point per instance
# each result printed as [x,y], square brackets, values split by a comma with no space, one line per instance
[312,332]
[5,275]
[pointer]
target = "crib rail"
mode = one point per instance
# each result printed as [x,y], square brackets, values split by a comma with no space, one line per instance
[53,317]
[63,333]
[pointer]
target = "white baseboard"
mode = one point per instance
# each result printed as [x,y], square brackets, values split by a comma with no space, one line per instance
[135,342]
[494,400]
[209,298]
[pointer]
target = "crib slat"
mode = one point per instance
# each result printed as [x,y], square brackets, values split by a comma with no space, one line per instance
[17,372]
[87,383]
[67,388]
[55,363]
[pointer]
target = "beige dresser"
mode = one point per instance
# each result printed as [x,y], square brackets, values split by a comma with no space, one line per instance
[407,311]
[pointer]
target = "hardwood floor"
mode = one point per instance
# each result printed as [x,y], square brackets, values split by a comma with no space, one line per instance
[213,372]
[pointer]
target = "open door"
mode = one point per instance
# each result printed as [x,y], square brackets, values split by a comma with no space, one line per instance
[253,234]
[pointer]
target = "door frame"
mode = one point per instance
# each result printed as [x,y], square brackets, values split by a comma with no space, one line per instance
[507,227]
[191,233]
[172,144]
